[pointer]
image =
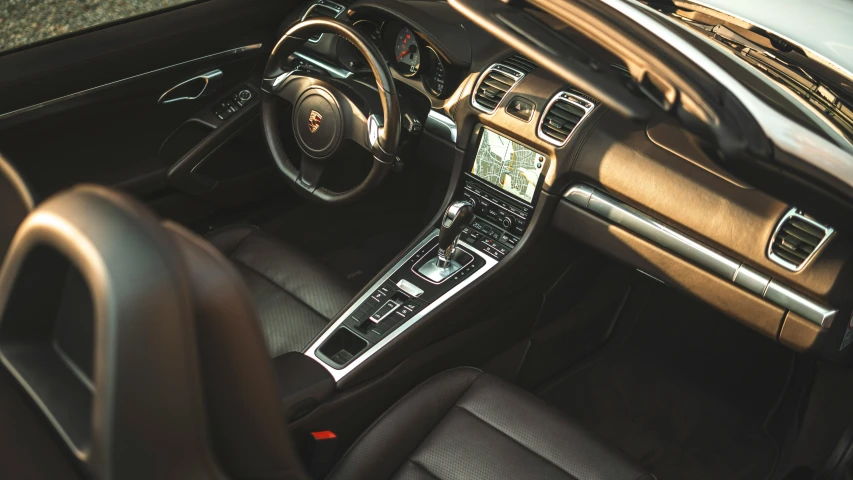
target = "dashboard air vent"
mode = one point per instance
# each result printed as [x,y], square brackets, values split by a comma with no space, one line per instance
[562,115]
[796,240]
[493,87]
[323,8]
[520,63]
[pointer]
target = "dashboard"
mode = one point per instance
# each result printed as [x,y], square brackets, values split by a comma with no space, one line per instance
[625,188]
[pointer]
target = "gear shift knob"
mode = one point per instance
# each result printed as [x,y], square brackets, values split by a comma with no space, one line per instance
[457,216]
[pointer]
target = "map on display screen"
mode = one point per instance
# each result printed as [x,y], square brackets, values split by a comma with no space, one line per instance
[510,166]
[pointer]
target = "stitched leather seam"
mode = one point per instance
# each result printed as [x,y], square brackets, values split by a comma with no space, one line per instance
[289,294]
[482,420]
[436,477]
[381,417]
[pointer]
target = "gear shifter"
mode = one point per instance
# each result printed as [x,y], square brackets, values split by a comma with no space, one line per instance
[457,216]
[444,265]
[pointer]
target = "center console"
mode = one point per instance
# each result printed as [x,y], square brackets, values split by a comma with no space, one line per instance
[489,214]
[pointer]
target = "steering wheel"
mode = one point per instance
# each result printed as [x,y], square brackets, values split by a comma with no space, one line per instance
[326,111]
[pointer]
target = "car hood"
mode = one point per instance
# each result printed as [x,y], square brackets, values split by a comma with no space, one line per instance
[822,27]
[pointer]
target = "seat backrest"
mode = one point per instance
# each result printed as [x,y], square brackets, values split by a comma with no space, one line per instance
[139,344]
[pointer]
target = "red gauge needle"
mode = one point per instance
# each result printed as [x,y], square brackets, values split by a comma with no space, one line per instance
[411,48]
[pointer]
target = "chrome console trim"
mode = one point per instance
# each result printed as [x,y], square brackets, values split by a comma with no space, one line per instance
[794,213]
[337,374]
[225,53]
[645,226]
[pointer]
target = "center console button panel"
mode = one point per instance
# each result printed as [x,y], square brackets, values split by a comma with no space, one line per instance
[399,298]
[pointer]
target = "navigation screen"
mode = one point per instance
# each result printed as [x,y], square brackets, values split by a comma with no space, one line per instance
[510,166]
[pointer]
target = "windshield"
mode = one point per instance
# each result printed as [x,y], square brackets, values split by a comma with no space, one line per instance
[826,92]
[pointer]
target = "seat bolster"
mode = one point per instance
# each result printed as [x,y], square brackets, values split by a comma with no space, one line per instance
[389,442]
[227,239]
[467,424]
[285,266]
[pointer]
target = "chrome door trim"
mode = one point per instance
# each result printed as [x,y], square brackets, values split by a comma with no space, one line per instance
[639,223]
[225,53]
[211,76]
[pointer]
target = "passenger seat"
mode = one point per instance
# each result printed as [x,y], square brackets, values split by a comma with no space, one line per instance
[465,424]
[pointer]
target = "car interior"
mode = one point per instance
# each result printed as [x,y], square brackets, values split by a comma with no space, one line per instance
[381,239]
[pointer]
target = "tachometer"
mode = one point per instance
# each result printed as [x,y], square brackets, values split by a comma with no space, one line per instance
[407,53]
[435,74]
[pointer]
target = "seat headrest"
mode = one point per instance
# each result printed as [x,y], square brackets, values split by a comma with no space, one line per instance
[16,202]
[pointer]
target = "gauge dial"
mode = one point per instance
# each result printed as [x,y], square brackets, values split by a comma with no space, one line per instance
[370,29]
[435,74]
[407,53]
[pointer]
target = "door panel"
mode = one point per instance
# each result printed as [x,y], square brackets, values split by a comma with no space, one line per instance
[84,108]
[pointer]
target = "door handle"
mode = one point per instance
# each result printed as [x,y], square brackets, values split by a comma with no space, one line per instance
[193,88]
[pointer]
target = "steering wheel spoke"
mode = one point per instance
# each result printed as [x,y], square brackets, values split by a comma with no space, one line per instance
[287,86]
[310,173]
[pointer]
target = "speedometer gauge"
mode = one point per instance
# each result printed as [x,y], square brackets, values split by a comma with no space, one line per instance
[434,75]
[407,53]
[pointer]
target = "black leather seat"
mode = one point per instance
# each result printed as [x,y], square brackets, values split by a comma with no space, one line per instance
[294,296]
[467,424]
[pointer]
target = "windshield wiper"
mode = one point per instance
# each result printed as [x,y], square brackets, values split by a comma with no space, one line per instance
[792,75]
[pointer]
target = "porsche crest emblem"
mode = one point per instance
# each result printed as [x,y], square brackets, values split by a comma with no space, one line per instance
[314,119]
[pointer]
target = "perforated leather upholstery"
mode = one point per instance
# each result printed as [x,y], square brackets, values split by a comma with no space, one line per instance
[464,424]
[294,296]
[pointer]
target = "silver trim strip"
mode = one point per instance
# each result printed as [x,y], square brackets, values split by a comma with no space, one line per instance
[827,232]
[787,298]
[641,224]
[572,99]
[339,374]
[662,235]
[225,53]
[751,280]
[518,76]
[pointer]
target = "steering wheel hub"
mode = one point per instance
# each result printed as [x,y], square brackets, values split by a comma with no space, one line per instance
[326,111]
[318,122]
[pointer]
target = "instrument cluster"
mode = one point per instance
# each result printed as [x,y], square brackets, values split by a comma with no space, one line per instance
[405,51]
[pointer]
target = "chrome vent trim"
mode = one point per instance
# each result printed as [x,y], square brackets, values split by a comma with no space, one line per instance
[640,224]
[513,74]
[794,235]
[573,99]
[335,8]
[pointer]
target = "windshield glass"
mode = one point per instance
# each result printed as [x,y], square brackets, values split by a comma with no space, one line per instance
[815,84]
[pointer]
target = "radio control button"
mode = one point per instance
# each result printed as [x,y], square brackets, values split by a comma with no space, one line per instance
[507,222]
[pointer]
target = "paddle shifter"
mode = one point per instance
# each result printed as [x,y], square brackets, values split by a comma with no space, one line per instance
[457,216]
